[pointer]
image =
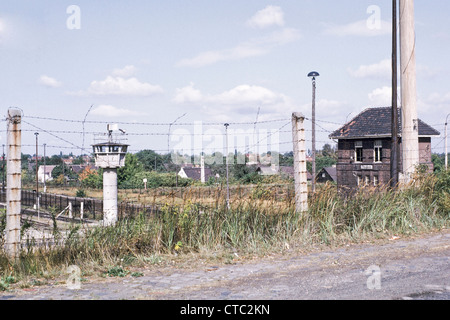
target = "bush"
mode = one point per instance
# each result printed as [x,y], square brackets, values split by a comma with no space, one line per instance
[81,193]
[442,192]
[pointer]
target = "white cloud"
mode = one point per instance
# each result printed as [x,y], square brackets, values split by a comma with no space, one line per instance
[238,95]
[252,48]
[114,112]
[267,17]
[126,72]
[121,86]
[49,82]
[381,96]
[243,100]
[248,94]
[188,94]
[359,28]
[383,69]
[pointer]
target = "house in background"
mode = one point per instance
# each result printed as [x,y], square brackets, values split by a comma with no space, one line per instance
[195,173]
[327,174]
[47,174]
[364,148]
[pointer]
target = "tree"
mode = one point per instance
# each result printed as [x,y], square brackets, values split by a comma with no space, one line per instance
[329,151]
[438,162]
[90,178]
[150,160]
[131,168]
[63,170]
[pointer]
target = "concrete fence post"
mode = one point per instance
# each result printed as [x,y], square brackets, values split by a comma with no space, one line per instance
[70,210]
[300,171]
[14,184]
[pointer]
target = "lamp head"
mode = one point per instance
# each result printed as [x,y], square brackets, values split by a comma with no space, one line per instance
[313,75]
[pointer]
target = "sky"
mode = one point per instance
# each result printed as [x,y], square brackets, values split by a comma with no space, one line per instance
[199,64]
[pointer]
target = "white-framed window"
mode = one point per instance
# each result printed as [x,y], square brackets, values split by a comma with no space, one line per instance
[378,151]
[366,180]
[375,181]
[358,151]
[358,180]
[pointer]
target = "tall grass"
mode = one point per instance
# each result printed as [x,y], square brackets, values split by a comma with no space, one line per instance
[257,223]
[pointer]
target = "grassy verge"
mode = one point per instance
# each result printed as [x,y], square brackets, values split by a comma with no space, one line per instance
[254,225]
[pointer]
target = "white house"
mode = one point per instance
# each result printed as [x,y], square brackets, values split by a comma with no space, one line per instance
[47,175]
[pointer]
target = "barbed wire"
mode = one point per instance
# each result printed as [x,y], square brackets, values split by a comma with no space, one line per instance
[56,133]
[153,123]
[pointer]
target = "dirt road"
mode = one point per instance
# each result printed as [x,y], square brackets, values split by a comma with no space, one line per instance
[399,269]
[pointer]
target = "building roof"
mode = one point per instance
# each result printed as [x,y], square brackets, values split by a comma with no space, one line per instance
[376,122]
[48,169]
[196,174]
[331,172]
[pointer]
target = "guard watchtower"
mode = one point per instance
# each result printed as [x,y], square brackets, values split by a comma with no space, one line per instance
[110,156]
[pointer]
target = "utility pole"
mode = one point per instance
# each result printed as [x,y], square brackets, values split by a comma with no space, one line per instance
[300,171]
[394,114]
[226,159]
[446,150]
[3,169]
[410,125]
[14,185]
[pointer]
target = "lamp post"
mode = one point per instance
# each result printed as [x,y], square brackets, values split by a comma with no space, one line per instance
[45,171]
[226,159]
[37,177]
[446,151]
[37,181]
[313,76]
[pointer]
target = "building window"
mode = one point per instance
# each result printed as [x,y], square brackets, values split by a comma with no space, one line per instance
[358,151]
[366,180]
[378,149]
[358,180]
[375,181]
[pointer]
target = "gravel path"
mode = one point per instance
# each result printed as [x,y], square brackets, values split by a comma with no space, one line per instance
[398,269]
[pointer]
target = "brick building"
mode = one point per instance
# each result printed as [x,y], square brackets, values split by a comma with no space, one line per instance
[364,148]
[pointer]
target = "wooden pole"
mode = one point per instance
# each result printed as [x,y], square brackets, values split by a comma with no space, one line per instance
[394,114]
[410,129]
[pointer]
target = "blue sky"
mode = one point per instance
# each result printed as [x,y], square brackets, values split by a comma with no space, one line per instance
[208,61]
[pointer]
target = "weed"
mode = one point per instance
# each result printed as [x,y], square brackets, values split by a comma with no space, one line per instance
[117,272]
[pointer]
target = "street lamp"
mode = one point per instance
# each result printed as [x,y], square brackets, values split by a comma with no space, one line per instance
[37,177]
[446,151]
[313,76]
[37,181]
